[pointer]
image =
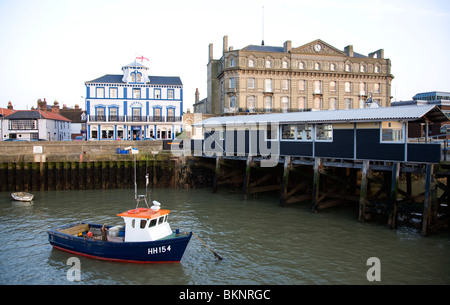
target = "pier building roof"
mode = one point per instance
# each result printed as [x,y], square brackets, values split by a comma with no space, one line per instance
[408,113]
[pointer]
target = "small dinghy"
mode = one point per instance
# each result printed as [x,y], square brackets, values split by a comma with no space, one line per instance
[22,196]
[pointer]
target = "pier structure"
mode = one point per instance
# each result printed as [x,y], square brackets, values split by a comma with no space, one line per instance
[327,158]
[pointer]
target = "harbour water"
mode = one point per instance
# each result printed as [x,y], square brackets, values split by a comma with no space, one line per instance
[261,243]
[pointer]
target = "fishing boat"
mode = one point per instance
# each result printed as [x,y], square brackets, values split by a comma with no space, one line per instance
[22,196]
[145,237]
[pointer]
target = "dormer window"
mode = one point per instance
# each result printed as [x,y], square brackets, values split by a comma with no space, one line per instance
[136,77]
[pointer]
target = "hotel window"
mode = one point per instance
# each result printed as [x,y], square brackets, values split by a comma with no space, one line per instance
[324,132]
[251,103]
[301,85]
[232,83]
[391,132]
[100,92]
[317,66]
[136,93]
[348,87]
[333,86]
[158,94]
[333,103]
[348,68]
[362,68]
[376,88]
[317,102]
[251,83]
[288,132]
[170,94]
[268,63]
[377,69]
[99,113]
[284,65]
[138,77]
[285,103]
[348,103]
[362,88]
[232,101]
[268,103]
[333,67]
[112,92]
[304,132]
[232,62]
[113,114]
[285,84]
[251,63]
[268,87]
[301,65]
[136,114]
[317,86]
[301,103]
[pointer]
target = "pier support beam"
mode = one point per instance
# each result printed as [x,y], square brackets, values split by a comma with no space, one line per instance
[427,202]
[284,187]
[216,174]
[247,176]
[393,195]
[363,192]
[316,183]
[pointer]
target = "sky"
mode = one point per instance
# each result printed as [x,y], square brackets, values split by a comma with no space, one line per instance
[50,48]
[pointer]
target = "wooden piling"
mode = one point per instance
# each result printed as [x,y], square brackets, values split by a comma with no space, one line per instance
[394,195]
[426,217]
[363,191]
[316,182]
[247,177]
[216,174]
[284,186]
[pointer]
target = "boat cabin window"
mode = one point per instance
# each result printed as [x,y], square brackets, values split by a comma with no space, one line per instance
[143,223]
[161,220]
[152,223]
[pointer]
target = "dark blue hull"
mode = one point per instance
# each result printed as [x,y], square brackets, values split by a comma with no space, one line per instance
[170,249]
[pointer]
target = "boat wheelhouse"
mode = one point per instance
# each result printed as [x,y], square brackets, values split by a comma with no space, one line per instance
[377,134]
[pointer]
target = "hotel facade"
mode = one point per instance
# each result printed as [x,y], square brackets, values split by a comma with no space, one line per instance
[315,76]
[134,105]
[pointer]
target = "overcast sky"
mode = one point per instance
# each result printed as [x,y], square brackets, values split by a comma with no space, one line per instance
[50,48]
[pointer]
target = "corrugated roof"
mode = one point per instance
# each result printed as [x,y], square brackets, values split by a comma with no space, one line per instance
[410,113]
[156,80]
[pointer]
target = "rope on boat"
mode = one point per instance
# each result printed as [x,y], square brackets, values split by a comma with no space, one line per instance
[214,252]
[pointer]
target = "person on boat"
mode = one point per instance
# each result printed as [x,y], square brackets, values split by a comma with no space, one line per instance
[104,229]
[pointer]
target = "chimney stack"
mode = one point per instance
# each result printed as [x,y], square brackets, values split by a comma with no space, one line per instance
[197,96]
[225,43]
[349,50]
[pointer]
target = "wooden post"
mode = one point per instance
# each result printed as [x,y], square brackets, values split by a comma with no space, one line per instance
[426,204]
[247,176]
[316,182]
[216,174]
[363,192]
[393,195]
[283,197]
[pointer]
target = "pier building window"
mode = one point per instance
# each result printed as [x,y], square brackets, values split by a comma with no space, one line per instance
[391,132]
[304,132]
[288,132]
[324,132]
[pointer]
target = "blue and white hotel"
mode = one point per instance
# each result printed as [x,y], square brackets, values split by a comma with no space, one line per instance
[134,105]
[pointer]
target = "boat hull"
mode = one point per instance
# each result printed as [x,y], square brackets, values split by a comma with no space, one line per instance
[160,251]
[22,196]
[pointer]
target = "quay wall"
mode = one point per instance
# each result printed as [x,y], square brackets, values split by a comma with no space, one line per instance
[97,165]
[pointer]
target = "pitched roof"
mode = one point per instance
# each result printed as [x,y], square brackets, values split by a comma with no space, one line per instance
[5,111]
[36,114]
[157,80]
[408,113]
[264,49]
